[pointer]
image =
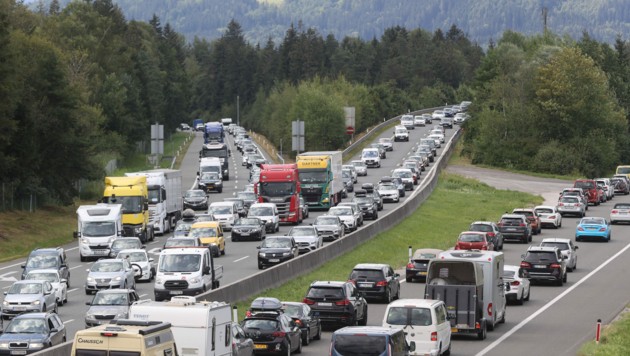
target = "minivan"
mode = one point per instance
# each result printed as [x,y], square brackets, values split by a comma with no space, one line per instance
[370,341]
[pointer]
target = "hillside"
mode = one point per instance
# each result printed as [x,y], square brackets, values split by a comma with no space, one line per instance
[482,20]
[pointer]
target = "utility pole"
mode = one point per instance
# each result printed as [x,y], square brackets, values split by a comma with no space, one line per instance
[544,18]
[238,113]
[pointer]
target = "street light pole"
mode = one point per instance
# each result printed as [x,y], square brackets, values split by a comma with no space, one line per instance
[238,114]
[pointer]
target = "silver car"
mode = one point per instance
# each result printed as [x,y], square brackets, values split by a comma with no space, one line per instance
[346,216]
[329,227]
[306,238]
[28,296]
[360,167]
[110,274]
[108,305]
[571,205]
[58,283]
[142,265]
[568,249]
[388,192]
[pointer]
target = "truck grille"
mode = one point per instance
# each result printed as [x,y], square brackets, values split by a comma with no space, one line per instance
[283,209]
[176,284]
[128,231]
[99,247]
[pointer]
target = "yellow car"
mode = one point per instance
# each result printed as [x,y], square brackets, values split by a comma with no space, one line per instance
[211,235]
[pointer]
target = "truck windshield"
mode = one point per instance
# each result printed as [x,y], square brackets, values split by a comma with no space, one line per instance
[277,189]
[221,153]
[360,344]
[180,263]
[99,229]
[130,205]
[154,195]
[313,176]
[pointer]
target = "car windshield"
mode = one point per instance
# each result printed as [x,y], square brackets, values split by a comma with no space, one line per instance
[277,189]
[179,242]
[369,154]
[107,267]
[180,263]
[571,200]
[110,299]
[43,276]
[137,256]
[470,238]
[210,176]
[326,221]
[203,232]
[592,221]
[220,210]
[260,211]
[409,316]
[385,140]
[319,176]
[481,227]
[183,226]
[585,185]
[367,274]
[560,245]
[99,229]
[402,174]
[400,131]
[276,243]
[511,221]
[195,194]
[26,326]
[26,288]
[248,221]
[340,212]
[360,345]
[305,231]
[246,195]
[294,311]
[43,261]
[260,324]
[126,244]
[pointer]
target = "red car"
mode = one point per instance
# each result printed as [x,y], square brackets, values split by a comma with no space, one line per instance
[474,240]
[590,187]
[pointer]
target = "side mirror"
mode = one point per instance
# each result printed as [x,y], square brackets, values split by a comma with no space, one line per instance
[88,303]
[396,275]
[63,280]
[575,247]
[54,330]
[522,256]
[206,270]
[75,234]
[412,346]
[143,246]
[23,266]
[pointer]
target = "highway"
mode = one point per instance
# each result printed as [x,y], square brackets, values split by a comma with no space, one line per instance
[556,321]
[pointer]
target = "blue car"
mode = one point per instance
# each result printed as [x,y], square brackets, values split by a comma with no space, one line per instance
[596,228]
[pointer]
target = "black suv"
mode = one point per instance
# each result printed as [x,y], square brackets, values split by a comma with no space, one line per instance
[273,332]
[517,227]
[48,258]
[337,302]
[376,280]
[545,263]
[276,250]
[369,207]
[30,332]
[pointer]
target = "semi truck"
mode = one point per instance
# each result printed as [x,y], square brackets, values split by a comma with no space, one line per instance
[133,194]
[280,184]
[320,178]
[220,150]
[197,124]
[470,283]
[199,328]
[165,204]
[97,226]
[213,131]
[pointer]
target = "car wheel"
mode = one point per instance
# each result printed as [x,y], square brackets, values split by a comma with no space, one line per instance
[260,266]
[481,335]
[299,348]
[307,338]
[277,227]
[448,351]
[363,320]
[387,298]
[59,302]
[520,300]
[223,251]
[566,276]
[56,308]
[83,259]
[409,280]
[559,282]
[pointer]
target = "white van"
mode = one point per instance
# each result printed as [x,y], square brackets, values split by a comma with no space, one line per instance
[185,271]
[210,164]
[401,133]
[425,323]
[267,212]
[224,212]
[371,157]
[98,226]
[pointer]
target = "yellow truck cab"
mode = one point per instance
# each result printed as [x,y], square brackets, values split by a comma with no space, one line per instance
[211,235]
[133,194]
[125,337]
[625,170]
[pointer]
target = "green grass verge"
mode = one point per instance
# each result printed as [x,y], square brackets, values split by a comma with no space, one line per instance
[614,340]
[454,204]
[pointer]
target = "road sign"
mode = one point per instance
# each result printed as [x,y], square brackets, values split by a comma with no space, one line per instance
[297,136]
[349,130]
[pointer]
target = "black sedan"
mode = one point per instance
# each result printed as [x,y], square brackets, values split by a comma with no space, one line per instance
[273,332]
[417,266]
[276,250]
[195,199]
[248,228]
[306,320]
[31,332]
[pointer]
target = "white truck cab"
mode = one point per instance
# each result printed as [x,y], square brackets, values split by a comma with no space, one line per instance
[210,164]
[185,271]
[98,226]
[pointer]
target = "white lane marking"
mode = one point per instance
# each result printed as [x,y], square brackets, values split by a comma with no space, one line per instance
[548,305]
[240,259]
[142,295]
[6,278]
[71,268]
[68,321]
[7,287]
[13,265]
[73,289]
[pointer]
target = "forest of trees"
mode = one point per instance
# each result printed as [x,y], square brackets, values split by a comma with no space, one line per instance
[81,84]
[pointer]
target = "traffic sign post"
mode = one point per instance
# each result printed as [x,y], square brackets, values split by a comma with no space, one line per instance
[297,136]
[349,130]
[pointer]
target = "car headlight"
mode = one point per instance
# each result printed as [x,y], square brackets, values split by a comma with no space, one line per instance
[84,241]
[35,302]
[90,279]
[195,280]
[286,253]
[121,315]
[5,303]
[119,278]
[158,281]
[137,230]
[262,254]
[34,345]
[4,345]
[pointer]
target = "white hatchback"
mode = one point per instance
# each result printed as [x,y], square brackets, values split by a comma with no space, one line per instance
[424,322]
[566,247]
[519,290]
[549,216]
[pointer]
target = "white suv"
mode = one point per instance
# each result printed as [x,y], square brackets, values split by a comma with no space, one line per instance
[371,157]
[401,133]
[346,215]
[407,122]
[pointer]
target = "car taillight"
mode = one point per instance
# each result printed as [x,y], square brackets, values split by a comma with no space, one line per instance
[279,334]
[457,247]
[523,265]
[521,224]
[410,265]
[515,283]
[248,313]
[490,309]
[491,234]
[434,336]
[352,281]
[602,229]
[343,302]
[484,247]
[308,301]
[382,283]
[580,228]
[551,216]
[614,211]
[298,322]
[555,265]
[560,204]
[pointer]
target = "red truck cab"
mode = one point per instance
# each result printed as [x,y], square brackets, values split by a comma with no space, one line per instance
[590,187]
[280,184]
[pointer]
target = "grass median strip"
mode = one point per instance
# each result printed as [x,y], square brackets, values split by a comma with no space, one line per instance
[614,339]
[454,204]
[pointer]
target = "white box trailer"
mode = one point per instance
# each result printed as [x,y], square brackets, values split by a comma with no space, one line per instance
[199,328]
[165,203]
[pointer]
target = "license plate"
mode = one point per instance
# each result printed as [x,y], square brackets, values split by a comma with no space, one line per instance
[19,308]
[174,292]
[511,229]
[274,260]
[366,285]
[100,252]
[453,330]
[20,352]
[422,273]
[244,233]
[325,304]
[622,213]
[260,346]
[540,266]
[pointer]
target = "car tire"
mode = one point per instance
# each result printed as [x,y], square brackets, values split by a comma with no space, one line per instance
[481,335]
[56,309]
[363,321]
[521,299]
[82,259]
[448,351]
[409,280]
[559,282]
[260,266]
[307,338]
[564,279]
[387,298]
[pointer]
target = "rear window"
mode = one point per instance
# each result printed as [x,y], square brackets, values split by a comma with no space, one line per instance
[470,238]
[325,292]
[622,206]
[524,212]
[511,221]
[540,256]
[360,345]
[568,200]
[481,227]
[409,316]
[260,324]
[544,211]
[509,274]
[560,245]
[367,274]
[584,185]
